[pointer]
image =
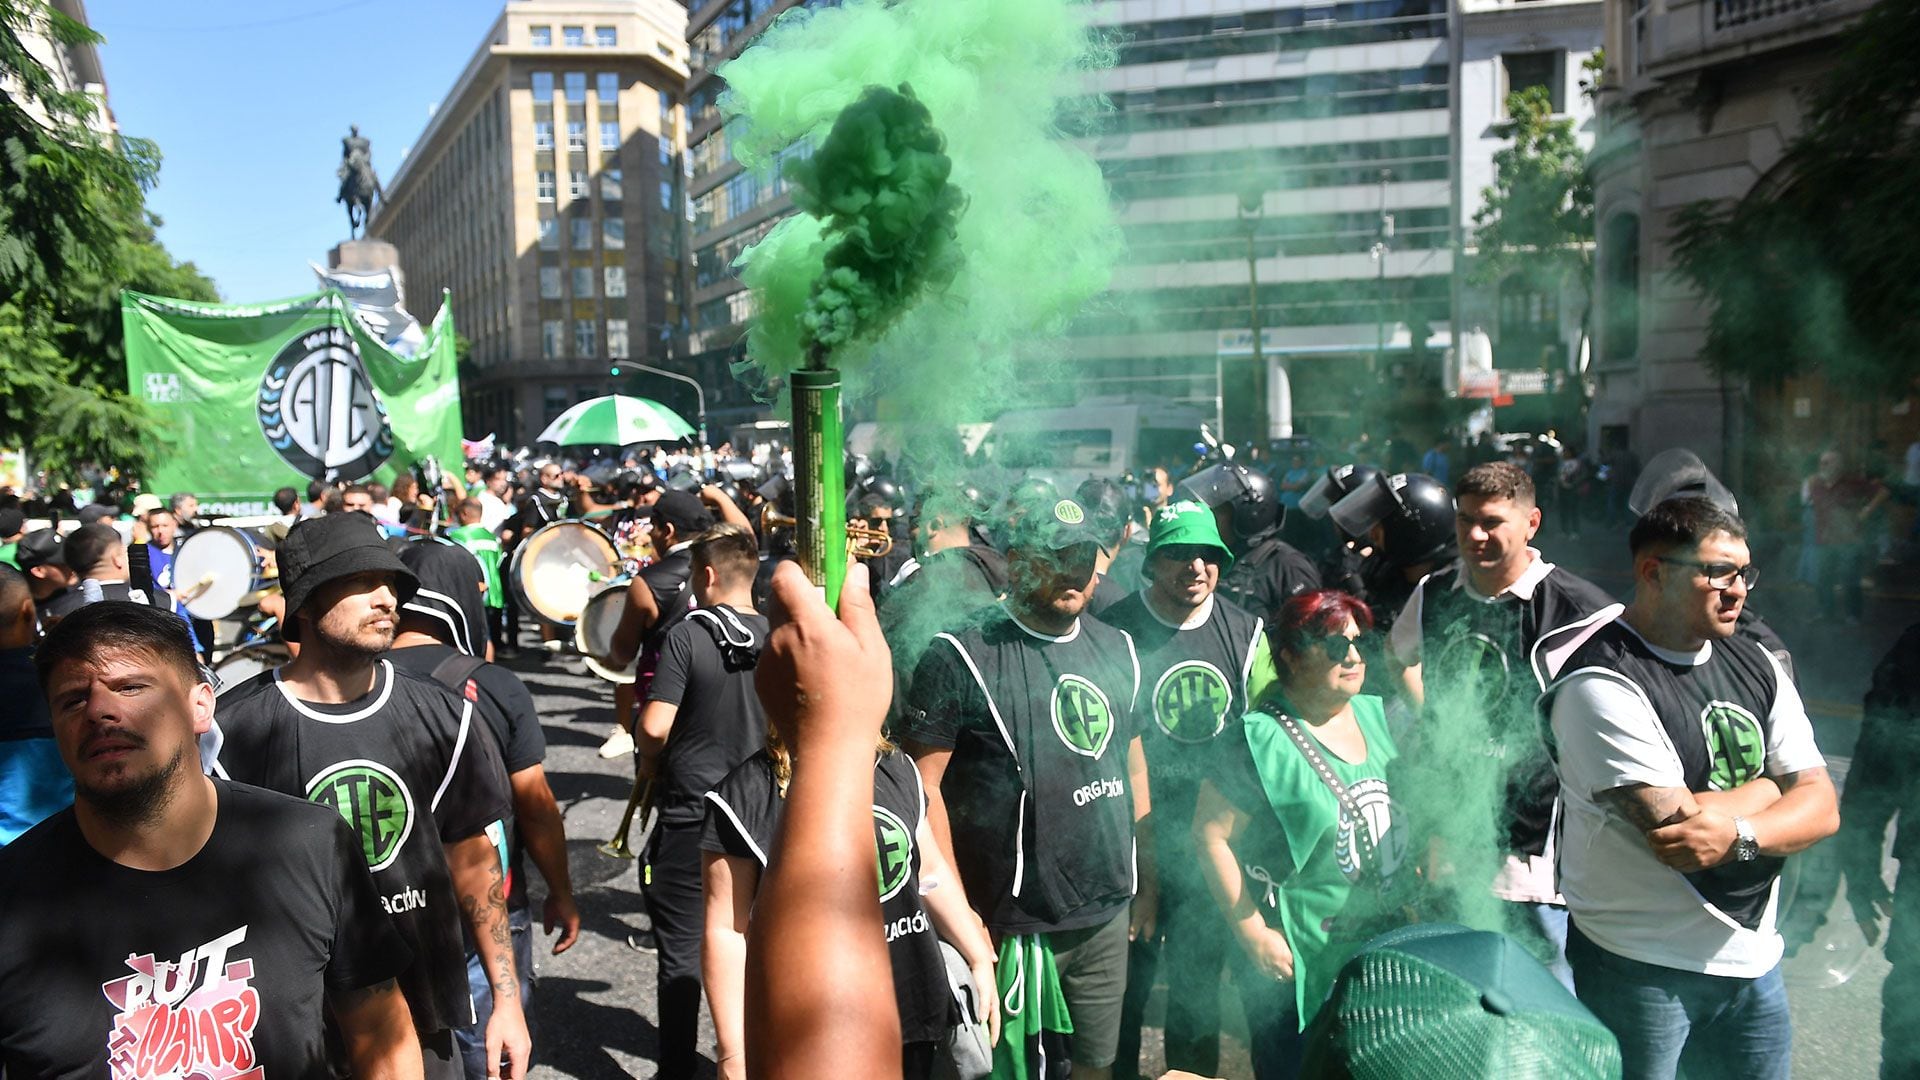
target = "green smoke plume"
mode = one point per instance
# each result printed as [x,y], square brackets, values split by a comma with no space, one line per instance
[1038,237]
[879,183]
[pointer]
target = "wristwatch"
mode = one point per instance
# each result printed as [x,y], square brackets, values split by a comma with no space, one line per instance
[1745,847]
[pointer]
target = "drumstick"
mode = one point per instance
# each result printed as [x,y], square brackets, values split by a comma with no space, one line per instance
[193,592]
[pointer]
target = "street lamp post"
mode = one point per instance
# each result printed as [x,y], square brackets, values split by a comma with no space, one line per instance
[1253,409]
[699,395]
[1382,244]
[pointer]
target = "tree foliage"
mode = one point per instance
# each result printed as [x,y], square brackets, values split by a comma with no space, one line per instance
[1816,268]
[1537,217]
[74,231]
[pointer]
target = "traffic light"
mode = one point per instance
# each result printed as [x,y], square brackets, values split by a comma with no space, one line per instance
[614,371]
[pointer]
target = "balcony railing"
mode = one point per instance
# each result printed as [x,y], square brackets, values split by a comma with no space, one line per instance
[1728,14]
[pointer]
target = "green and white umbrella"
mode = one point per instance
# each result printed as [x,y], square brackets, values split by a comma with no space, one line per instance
[616,420]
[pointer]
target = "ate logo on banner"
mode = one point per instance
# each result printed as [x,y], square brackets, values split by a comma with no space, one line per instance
[318,410]
[194,1016]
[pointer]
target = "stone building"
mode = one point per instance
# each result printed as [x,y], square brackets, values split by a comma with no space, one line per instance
[546,194]
[1699,102]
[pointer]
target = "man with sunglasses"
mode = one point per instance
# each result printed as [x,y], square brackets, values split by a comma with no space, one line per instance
[1689,771]
[1466,644]
[1202,662]
[1022,726]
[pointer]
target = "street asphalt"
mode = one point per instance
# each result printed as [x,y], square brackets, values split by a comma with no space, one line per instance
[594,1011]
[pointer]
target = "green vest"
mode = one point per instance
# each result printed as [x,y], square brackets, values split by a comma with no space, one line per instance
[486,547]
[1329,903]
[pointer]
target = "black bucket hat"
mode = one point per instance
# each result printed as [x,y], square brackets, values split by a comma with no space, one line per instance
[330,547]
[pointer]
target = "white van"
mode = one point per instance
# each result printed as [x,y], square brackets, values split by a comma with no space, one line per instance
[1100,437]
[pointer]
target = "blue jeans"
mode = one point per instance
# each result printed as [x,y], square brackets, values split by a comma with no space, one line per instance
[473,1040]
[1713,1026]
[1549,921]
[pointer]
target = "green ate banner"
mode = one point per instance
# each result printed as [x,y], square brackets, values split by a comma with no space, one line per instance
[256,397]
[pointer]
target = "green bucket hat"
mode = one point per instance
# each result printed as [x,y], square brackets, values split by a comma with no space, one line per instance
[1186,522]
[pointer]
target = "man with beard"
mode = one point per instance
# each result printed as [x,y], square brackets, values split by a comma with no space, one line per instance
[172,924]
[1022,726]
[1202,662]
[399,758]
[1690,771]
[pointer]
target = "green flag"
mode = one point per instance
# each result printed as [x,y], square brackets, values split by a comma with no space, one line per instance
[262,396]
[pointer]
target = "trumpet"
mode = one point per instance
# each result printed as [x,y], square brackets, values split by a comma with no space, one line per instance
[639,802]
[863,541]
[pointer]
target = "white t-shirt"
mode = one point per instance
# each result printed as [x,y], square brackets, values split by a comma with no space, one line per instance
[494,511]
[1622,897]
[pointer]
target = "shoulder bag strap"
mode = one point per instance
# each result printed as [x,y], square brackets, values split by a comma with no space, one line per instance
[1362,832]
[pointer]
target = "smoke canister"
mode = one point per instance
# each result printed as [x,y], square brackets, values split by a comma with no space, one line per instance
[819,479]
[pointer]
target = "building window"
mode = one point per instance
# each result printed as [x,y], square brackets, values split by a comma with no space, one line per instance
[583,337]
[582,234]
[543,86]
[609,134]
[666,194]
[583,283]
[550,283]
[577,184]
[542,36]
[1526,70]
[1620,295]
[613,233]
[606,37]
[549,234]
[543,186]
[607,86]
[616,281]
[617,339]
[576,135]
[550,336]
[543,134]
[666,112]
[576,86]
[610,185]
[573,37]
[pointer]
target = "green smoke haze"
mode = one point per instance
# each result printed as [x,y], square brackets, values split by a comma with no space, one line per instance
[1038,237]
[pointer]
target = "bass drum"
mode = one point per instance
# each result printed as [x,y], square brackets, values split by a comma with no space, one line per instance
[557,570]
[242,664]
[216,571]
[593,633]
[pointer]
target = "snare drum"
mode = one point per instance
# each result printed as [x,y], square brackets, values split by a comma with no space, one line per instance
[215,570]
[557,570]
[593,633]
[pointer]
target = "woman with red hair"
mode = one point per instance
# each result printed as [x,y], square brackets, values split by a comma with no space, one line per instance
[1296,826]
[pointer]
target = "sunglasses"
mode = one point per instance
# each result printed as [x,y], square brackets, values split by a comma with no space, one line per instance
[1186,553]
[1720,575]
[1336,646]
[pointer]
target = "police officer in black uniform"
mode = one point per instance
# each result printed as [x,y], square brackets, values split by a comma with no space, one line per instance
[1406,524]
[1267,570]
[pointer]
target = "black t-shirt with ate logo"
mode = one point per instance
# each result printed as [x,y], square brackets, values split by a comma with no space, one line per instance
[1193,686]
[216,968]
[409,768]
[743,814]
[719,723]
[1037,792]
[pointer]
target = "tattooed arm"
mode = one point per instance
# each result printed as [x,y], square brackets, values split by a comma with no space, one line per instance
[480,883]
[378,1031]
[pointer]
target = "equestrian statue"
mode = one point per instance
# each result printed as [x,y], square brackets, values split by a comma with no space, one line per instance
[358,185]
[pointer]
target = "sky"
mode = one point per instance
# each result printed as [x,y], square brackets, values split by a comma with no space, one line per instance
[248,102]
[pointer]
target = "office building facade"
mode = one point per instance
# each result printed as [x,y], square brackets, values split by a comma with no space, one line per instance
[546,195]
